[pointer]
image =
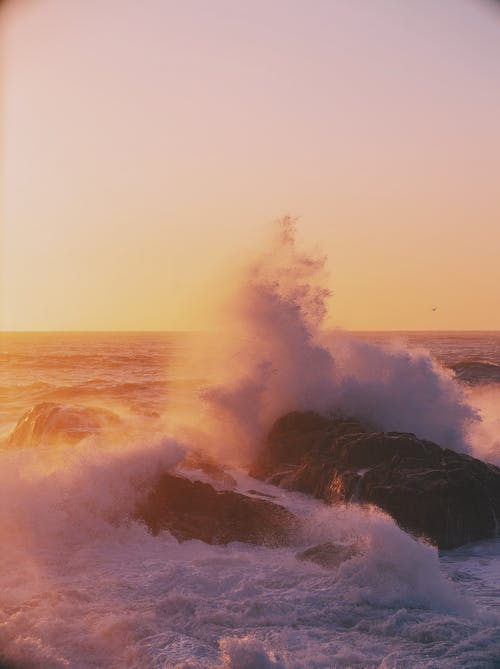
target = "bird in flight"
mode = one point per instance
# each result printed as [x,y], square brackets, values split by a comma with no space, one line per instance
[434,308]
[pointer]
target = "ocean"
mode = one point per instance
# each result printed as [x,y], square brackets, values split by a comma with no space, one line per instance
[84,586]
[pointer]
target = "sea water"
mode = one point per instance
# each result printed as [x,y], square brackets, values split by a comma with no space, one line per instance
[83,586]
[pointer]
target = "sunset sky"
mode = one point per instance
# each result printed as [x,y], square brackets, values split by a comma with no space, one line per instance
[147,145]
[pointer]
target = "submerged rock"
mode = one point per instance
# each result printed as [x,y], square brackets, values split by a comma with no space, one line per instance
[195,510]
[449,498]
[50,422]
[328,555]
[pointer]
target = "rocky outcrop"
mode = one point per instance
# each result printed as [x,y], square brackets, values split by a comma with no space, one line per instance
[195,510]
[50,422]
[447,497]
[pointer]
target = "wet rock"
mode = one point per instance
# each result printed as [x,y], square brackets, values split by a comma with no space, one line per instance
[328,555]
[449,498]
[196,461]
[195,510]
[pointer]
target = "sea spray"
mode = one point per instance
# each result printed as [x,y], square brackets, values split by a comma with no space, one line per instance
[403,390]
[282,359]
[484,435]
[84,585]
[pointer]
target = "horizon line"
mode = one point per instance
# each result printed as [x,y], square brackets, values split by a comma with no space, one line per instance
[195,331]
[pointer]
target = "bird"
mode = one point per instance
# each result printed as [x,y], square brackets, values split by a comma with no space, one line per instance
[434,308]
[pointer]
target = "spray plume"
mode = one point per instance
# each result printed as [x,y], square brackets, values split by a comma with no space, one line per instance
[282,359]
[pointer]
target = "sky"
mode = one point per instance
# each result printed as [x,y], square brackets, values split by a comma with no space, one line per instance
[147,146]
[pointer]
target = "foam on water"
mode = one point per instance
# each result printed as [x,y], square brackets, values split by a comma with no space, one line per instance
[84,586]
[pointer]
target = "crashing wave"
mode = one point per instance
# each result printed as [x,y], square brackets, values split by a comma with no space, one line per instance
[49,422]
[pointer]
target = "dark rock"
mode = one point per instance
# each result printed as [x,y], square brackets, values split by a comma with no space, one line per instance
[8,664]
[201,462]
[328,555]
[447,497]
[195,510]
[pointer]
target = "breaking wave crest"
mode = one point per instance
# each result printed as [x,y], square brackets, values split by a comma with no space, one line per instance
[477,372]
[284,361]
[84,583]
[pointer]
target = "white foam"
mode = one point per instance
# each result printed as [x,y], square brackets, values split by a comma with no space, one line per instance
[484,435]
[84,586]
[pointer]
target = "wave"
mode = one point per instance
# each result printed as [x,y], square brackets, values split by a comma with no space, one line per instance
[127,390]
[147,602]
[49,423]
[476,372]
[286,362]
[19,390]
[69,360]
[92,388]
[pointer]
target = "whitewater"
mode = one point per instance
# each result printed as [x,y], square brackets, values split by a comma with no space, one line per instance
[88,420]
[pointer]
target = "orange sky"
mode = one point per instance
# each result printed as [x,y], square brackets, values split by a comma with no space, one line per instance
[148,144]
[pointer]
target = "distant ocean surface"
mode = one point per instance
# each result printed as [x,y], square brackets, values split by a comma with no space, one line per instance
[82,586]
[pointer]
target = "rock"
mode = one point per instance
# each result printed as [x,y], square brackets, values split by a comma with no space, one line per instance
[449,498]
[195,510]
[196,461]
[251,491]
[328,555]
[49,422]
[6,664]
